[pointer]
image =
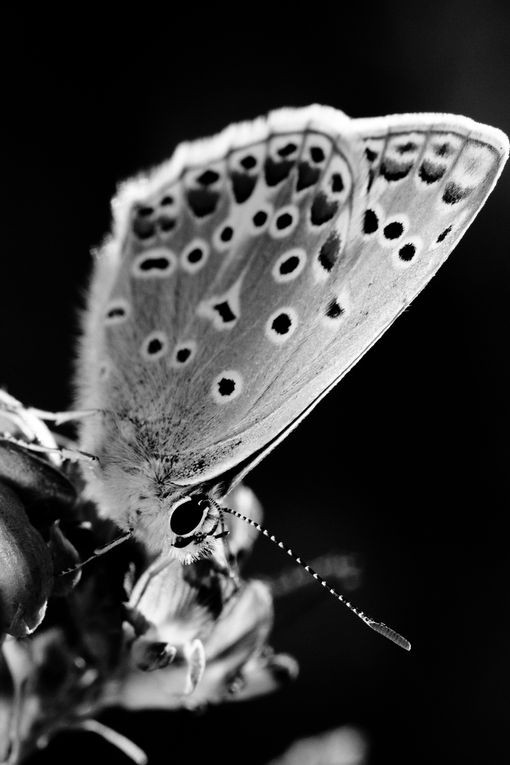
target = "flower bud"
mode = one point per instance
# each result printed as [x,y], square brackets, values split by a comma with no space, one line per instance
[26,571]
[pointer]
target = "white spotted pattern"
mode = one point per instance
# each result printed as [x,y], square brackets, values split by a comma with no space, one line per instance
[343,182]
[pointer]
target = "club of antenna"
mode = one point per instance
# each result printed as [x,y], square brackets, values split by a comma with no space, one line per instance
[379,627]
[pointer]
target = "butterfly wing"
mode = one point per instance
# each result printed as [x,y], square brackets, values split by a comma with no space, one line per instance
[248,275]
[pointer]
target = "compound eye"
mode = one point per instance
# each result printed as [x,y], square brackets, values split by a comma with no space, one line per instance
[188,515]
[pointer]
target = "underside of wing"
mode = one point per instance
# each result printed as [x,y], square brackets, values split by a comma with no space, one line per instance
[250,273]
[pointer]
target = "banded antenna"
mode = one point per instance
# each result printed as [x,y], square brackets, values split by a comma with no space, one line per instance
[379,627]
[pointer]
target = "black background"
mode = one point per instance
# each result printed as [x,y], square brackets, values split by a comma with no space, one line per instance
[406,462]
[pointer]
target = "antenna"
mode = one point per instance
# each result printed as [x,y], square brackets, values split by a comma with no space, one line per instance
[379,627]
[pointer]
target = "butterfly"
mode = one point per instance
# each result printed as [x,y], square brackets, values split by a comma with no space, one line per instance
[243,279]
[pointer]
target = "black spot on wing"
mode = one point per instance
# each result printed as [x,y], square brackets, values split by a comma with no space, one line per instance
[337,183]
[287,150]
[202,202]
[307,176]
[183,355]
[289,265]
[248,162]
[208,177]
[281,324]
[242,186]
[334,310]
[226,234]
[393,230]
[196,255]
[260,218]
[394,171]
[154,346]
[284,220]
[442,149]
[453,193]
[329,252]
[407,252]
[317,154]
[154,264]
[225,312]
[370,222]
[430,172]
[119,312]
[166,224]
[442,236]
[276,172]
[406,148]
[144,229]
[322,210]
[144,211]
[226,386]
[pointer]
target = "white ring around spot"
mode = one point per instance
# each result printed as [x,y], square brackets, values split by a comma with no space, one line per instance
[196,244]
[392,243]
[272,334]
[218,243]
[161,338]
[380,215]
[227,374]
[157,253]
[264,208]
[190,345]
[297,252]
[417,242]
[117,303]
[277,233]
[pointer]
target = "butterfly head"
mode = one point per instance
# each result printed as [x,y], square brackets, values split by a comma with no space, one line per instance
[194,524]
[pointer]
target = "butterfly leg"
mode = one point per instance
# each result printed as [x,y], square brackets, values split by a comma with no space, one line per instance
[60,451]
[21,422]
[59,418]
[98,551]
